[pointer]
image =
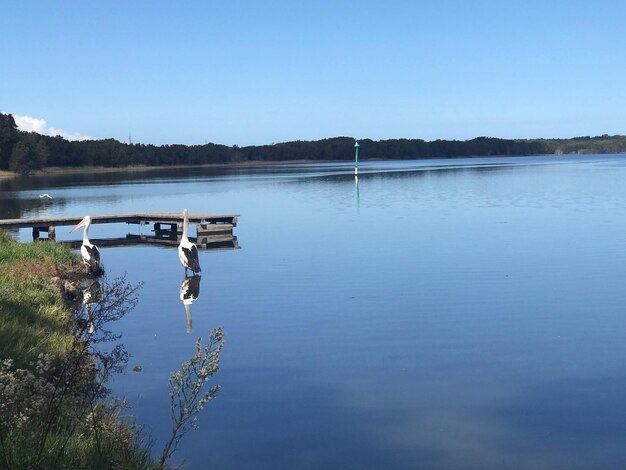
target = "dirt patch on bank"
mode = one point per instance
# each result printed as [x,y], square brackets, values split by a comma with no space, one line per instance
[36,267]
[44,267]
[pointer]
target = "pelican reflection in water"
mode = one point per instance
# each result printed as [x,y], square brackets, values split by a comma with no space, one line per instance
[91,295]
[189,291]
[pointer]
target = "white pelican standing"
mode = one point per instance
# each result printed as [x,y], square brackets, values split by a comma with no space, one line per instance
[89,251]
[187,251]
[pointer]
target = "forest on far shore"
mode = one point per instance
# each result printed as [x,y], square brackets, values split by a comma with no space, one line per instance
[25,152]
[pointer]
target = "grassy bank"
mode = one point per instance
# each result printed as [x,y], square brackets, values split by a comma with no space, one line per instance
[57,352]
[53,411]
[33,315]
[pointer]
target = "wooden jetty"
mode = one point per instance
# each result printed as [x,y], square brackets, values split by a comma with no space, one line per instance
[163,222]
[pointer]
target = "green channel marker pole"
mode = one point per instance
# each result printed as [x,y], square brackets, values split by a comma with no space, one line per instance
[356,158]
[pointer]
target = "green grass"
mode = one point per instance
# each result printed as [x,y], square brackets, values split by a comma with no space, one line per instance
[11,251]
[31,322]
[33,316]
[34,320]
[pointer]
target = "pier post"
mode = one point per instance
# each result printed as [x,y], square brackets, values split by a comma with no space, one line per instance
[50,229]
[158,227]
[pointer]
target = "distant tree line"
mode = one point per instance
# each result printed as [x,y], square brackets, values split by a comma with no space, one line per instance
[24,152]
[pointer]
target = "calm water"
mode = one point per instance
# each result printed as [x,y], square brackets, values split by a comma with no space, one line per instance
[442,314]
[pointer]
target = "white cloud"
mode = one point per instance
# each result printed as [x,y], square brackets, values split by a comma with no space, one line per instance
[32,124]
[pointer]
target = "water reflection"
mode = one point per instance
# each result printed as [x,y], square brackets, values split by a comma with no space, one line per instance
[105,302]
[92,293]
[65,396]
[64,180]
[165,239]
[14,208]
[189,292]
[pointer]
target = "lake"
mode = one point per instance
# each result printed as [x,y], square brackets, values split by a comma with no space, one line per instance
[463,313]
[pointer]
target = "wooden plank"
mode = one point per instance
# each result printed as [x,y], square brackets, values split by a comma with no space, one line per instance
[136,218]
[202,229]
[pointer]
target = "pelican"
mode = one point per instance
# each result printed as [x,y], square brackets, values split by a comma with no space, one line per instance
[45,196]
[187,251]
[89,251]
[189,291]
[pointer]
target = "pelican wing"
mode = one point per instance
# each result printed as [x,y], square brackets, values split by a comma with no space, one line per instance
[194,286]
[191,254]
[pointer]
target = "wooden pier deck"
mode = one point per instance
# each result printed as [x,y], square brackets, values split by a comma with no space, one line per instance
[206,224]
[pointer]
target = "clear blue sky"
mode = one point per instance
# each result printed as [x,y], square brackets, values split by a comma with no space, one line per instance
[255,72]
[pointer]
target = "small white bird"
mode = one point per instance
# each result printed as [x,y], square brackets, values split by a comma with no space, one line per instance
[45,196]
[187,251]
[89,251]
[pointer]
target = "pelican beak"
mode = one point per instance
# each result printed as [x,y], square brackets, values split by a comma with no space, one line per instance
[80,224]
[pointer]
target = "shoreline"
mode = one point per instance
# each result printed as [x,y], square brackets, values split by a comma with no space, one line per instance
[56,407]
[133,168]
[47,352]
[56,170]
[51,171]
